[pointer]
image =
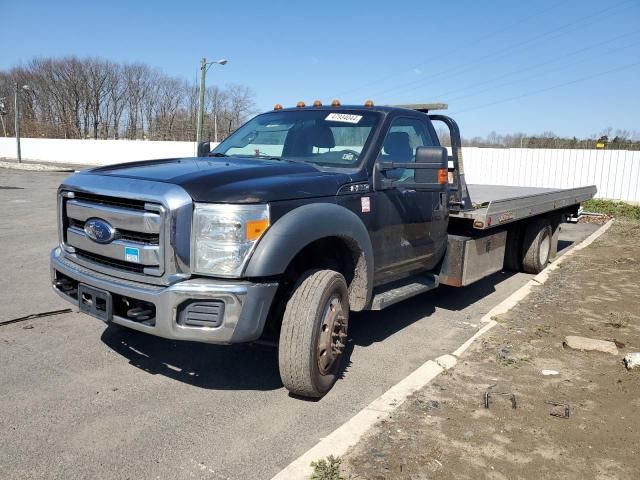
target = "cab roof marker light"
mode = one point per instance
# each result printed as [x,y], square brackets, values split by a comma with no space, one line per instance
[300,104]
[277,107]
[368,104]
[317,103]
[335,103]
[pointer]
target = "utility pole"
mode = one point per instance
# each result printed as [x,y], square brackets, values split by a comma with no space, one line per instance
[203,74]
[17,114]
[204,66]
[215,126]
[17,121]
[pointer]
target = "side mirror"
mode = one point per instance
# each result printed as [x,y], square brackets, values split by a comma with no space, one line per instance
[204,148]
[430,166]
[436,161]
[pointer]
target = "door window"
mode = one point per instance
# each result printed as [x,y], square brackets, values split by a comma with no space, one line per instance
[404,137]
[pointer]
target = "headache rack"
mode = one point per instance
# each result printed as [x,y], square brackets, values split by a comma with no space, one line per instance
[423,107]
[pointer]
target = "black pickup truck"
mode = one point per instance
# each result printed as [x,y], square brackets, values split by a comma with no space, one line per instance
[299,217]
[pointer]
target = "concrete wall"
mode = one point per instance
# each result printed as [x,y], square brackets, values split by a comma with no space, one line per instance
[616,173]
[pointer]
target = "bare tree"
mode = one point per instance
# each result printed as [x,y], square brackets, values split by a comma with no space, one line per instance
[96,98]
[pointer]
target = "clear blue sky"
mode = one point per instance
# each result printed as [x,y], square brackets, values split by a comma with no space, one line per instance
[477,56]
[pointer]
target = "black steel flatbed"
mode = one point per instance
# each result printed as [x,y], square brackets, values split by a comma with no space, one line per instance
[495,205]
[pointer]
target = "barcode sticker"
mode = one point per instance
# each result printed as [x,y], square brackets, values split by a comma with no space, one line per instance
[132,255]
[343,117]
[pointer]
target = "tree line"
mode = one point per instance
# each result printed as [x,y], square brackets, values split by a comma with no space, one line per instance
[607,139]
[95,98]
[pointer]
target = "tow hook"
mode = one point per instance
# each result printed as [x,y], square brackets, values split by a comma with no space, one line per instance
[139,314]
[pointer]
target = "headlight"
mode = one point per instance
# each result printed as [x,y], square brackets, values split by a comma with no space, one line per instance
[223,236]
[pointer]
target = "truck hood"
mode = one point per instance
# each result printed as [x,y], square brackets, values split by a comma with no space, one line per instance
[233,180]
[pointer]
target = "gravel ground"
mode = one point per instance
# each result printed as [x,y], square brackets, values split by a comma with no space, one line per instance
[445,431]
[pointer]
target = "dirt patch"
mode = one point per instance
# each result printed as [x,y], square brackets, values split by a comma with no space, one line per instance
[595,219]
[445,432]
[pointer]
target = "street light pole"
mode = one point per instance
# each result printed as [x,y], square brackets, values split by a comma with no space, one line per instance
[215,126]
[203,73]
[17,121]
[17,114]
[204,66]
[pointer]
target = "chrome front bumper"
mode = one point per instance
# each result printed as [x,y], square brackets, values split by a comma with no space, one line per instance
[246,303]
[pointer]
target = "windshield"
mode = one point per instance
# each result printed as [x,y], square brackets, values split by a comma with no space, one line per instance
[321,137]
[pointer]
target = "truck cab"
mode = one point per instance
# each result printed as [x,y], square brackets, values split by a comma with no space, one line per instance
[298,218]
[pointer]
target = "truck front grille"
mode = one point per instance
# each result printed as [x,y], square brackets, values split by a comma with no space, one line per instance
[139,237]
[110,262]
[135,244]
[110,201]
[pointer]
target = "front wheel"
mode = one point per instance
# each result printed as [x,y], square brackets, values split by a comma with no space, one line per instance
[314,333]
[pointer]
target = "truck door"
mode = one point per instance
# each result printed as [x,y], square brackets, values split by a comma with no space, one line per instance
[409,226]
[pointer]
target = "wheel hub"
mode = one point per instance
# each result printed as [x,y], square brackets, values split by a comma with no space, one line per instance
[333,335]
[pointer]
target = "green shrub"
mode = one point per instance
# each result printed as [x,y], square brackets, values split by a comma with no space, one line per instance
[613,208]
[327,469]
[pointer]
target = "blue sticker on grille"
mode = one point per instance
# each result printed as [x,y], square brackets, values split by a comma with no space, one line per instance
[132,255]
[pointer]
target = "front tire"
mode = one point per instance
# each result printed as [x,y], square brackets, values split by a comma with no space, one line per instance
[314,333]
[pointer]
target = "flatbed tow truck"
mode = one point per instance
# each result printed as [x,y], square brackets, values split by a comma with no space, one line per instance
[296,219]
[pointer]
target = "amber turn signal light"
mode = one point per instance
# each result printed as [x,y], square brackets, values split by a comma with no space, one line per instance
[255,228]
[443,176]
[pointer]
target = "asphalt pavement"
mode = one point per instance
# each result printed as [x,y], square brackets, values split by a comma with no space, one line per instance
[79,399]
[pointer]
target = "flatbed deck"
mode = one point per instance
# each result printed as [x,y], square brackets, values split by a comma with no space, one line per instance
[495,205]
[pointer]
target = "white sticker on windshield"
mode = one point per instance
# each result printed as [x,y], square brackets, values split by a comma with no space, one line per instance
[343,117]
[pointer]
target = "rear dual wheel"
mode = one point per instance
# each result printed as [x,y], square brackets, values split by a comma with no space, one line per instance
[314,333]
[536,246]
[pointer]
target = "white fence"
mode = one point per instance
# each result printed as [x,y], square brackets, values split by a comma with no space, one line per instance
[94,152]
[616,173]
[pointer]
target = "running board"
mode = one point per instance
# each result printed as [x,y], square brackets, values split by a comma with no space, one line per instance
[398,291]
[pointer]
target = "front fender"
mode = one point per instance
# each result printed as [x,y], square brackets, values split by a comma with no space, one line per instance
[304,225]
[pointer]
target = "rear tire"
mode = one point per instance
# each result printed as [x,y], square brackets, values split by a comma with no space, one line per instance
[536,247]
[314,333]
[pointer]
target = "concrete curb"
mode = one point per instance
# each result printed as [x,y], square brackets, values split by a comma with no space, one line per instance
[347,435]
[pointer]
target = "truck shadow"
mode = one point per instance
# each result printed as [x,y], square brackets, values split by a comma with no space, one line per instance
[255,367]
[367,328]
[219,367]
[562,244]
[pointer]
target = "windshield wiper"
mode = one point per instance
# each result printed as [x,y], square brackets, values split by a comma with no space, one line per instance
[217,154]
[266,157]
[281,159]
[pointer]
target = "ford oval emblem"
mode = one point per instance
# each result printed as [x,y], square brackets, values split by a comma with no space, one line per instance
[99,230]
